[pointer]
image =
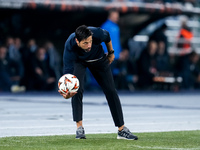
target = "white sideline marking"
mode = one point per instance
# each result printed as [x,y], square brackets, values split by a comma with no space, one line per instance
[167,148]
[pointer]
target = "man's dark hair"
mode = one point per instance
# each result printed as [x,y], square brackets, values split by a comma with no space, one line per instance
[82,32]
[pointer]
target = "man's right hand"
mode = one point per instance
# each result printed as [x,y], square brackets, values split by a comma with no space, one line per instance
[67,95]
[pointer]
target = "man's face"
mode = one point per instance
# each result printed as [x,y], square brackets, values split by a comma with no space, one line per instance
[114,16]
[85,44]
[41,54]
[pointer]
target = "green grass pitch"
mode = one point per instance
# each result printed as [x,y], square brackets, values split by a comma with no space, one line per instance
[177,140]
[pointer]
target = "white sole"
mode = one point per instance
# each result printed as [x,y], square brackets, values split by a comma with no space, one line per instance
[123,138]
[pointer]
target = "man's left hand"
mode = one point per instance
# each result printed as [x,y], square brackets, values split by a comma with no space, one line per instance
[110,58]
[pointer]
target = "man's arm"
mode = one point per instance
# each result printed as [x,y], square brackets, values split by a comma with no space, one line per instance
[110,55]
[68,58]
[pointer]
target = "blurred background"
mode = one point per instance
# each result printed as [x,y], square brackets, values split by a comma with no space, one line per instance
[156,42]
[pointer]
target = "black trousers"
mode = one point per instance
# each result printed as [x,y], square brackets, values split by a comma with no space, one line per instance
[103,75]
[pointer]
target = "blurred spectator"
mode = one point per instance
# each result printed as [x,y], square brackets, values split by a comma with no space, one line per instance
[54,59]
[162,58]
[18,43]
[184,38]
[28,50]
[113,28]
[42,76]
[125,76]
[189,70]
[111,25]
[119,64]
[32,45]
[147,65]
[14,46]
[159,35]
[27,53]
[11,72]
[164,70]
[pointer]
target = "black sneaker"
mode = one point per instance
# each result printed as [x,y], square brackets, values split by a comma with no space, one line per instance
[126,134]
[80,133]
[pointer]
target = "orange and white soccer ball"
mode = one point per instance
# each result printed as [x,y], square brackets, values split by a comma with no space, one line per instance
[68,82]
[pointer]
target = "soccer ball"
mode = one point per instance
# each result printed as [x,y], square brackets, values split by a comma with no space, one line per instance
[68,82]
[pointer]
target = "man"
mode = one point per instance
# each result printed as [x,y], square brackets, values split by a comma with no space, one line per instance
[184,39]
[111,25]
[147,65]
[83,50]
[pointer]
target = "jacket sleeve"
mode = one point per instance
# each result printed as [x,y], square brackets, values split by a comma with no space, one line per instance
[100,34]
[69,57]
[105,36]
